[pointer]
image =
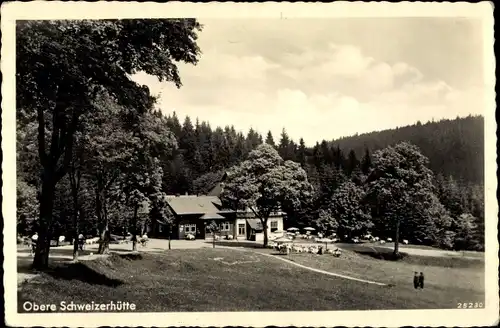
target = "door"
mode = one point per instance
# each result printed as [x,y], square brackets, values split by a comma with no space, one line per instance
[241,229]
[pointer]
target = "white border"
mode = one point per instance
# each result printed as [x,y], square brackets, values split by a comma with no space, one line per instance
[100,10]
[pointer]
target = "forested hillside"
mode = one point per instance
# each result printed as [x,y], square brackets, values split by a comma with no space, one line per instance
[454,147]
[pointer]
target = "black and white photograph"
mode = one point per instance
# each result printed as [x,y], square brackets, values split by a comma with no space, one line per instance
[249,164]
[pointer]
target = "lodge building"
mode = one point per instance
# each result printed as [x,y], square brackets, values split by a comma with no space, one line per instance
[193,213]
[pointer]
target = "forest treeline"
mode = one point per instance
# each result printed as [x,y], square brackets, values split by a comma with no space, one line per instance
[455,149]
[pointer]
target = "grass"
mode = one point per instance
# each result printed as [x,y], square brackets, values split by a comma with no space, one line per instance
[230,280]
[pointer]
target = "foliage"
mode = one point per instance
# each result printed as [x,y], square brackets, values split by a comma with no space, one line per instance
[348,209]
[207,182]
[265,183]
[61,68]
[27,207]
[400,189]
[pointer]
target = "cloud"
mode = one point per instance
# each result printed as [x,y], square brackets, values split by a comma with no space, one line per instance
[315,93]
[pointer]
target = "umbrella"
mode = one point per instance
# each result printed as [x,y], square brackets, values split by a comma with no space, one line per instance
[309,229]
[326,241]
[292,229]
[283,240]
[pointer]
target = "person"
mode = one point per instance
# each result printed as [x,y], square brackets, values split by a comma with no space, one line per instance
[34,240]
[416,282]
[144,240]
[421,280]
[81,241]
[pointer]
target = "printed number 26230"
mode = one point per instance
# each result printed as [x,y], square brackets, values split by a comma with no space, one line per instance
[477,305]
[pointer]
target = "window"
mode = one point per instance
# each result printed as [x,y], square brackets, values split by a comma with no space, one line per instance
[274,226]
[160,228]
[191,228]
[241,229]
[224,226]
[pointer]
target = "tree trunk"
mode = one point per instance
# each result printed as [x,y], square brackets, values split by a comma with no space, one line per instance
[264,225]
[102,218]
[169,238]
[75,245]
[77,232]
[134,228]
[41,259]
[104,239]
[213,239]
[74,191]
[396,239]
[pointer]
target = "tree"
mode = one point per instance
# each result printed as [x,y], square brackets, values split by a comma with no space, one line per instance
[270,139]
[284,148]
[213,228]
[188,143]
[301,153]
[62,65]
[352,163]
[142,179]
[27,206]
[105,147]
[326,221]
[350,211]
[174,125]
[253,139]
[264,183]
[161,212]
[206,182]
[366,163]
[399,187]
[464,227]
[330,178]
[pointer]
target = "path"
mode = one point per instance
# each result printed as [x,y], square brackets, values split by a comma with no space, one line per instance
[242,249]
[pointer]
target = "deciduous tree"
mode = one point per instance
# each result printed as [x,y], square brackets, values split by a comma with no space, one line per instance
[62,65]
[264,183]
[399,187]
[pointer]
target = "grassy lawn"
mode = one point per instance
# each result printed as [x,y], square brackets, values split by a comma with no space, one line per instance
[446,279]
[230,280]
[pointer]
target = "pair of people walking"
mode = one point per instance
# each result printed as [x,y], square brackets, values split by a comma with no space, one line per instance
[418,280]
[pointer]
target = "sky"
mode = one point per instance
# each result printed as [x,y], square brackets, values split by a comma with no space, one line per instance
[328,78]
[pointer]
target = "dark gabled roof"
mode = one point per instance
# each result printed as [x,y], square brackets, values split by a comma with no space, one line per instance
[255,224]
[183,205]
[217,190]
[211,216]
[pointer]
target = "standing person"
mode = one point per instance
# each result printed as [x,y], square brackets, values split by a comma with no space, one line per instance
[421,280]
[34,240]
[81,241]
[416,281]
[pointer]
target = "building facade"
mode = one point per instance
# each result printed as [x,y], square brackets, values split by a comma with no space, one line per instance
[194,214]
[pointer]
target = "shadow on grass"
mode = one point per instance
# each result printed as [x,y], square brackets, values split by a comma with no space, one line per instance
[446,262]
[80,271]
[387,256]
[129,256]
